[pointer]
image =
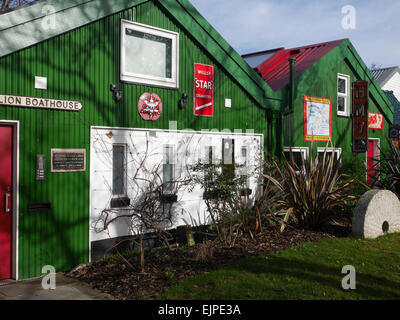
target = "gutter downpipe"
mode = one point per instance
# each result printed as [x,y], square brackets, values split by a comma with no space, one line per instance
[291,83]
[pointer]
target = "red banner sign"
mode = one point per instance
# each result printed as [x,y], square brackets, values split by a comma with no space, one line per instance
[375,121]
[360,116]
[203,90]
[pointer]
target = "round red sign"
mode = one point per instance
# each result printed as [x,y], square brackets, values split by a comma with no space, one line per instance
[150,106]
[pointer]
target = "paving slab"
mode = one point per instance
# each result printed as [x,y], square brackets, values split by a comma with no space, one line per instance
[66,289]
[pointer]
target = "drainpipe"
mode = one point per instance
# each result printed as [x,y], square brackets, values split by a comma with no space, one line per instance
[291,84]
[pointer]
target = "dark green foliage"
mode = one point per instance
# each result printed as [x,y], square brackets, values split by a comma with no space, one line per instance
[312,195]
[387,170]
[229,209]
[353,169]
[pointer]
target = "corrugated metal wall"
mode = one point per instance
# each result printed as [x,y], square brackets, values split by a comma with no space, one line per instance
[81,65]
[325,86]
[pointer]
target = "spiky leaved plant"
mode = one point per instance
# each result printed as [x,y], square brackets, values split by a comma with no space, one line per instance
[311,194]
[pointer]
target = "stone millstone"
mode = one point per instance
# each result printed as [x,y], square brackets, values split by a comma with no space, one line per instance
[377,212]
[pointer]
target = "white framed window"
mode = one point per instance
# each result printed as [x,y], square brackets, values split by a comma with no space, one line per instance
[168,169]
[119,170]
[244,162]
[298,154]
[209,155]
[329,151]
[149,55]
[343,95]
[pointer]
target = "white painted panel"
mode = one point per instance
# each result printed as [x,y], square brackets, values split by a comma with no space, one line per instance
[145,151]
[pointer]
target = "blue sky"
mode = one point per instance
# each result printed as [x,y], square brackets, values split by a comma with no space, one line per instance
[256,25]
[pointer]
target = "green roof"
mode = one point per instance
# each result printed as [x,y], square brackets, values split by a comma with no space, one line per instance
[28,26]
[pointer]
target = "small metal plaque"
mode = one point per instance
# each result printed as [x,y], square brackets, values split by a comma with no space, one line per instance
[68,160]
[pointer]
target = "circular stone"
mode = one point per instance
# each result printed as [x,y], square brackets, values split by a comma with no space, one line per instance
[377,212]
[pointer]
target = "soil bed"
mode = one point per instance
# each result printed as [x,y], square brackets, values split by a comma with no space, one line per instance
[164,268]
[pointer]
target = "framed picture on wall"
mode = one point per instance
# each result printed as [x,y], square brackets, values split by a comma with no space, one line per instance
[317,119]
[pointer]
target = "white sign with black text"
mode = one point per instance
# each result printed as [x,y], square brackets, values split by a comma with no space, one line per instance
[41,103]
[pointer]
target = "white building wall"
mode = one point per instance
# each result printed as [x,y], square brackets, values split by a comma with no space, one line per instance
[394,85]
[145,151]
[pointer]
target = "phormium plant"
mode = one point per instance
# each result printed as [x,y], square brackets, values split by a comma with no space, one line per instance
[312,194]
[387,170]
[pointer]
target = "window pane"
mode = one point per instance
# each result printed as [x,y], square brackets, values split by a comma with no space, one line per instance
[119,170]
[341,104]
[148,54]
[228,153]
[342,85]
[297,155]
[168,169]
[328,155]
[244,156]
[244,174]
[210,155]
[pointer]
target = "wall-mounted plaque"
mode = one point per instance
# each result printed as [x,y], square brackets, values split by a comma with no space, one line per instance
[203,90]
[40,103]
[150,106]
[68,160]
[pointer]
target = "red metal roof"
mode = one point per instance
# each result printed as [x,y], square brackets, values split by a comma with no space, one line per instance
[275,70]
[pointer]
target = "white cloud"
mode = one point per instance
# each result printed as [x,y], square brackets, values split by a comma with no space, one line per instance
[255,25]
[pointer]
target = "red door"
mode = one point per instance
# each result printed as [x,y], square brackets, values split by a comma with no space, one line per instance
[370,161]
[5,200]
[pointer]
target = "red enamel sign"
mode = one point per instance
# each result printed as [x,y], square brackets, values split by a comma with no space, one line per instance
[203,90]
[375,121]
[360,116]
[150,106]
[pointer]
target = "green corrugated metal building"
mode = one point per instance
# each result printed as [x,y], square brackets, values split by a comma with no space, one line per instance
[58,60]
[77,74]
[326,71]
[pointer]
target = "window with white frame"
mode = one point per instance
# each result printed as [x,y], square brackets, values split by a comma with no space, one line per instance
[244,170]
[343,95]
[168,169]
[209,156]
[149,55]
[337,152]
[299,154]
[119,170]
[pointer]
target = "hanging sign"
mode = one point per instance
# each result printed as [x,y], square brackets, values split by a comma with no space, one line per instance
[360,116]
[375,121]
[317,119]
[150,106]
[203,90]
[40,103]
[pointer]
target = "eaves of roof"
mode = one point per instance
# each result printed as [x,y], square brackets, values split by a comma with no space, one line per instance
[29,26]
[383,75]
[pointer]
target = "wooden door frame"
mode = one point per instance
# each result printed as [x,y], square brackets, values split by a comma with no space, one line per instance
[366,155]
[15,195]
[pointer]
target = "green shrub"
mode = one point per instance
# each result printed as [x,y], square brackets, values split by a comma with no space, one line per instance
[311,195]
[388,170]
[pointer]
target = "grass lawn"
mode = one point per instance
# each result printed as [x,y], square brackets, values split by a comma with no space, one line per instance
[309,271]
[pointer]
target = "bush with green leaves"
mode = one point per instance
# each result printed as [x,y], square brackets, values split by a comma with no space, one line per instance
[353,169]
[387,170]
[311,195]
[226,198]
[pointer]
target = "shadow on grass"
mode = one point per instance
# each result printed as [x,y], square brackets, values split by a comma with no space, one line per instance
[308,274]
